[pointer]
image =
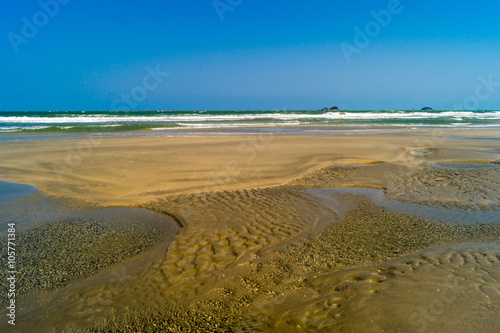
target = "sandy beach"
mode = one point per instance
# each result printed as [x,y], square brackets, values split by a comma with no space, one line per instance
[268,232]
[249,166]
[138,169]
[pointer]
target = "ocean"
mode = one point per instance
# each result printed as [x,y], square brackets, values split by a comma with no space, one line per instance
[120,121]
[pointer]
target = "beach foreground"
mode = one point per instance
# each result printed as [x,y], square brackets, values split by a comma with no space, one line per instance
[393,231]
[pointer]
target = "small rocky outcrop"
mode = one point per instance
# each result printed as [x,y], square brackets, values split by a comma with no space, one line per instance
[333,108]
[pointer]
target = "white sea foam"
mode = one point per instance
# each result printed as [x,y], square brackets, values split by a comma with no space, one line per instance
[189,117]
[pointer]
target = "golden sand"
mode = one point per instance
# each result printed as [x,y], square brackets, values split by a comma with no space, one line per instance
[259,250]
[132,170]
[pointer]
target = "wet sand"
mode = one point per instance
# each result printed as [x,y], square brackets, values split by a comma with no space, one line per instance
[264,245]
[78,245]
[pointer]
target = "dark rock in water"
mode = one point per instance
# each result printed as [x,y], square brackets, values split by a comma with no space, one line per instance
[333,108]
[427,109]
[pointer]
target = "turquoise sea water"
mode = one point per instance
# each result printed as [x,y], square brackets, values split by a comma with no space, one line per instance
[113,121]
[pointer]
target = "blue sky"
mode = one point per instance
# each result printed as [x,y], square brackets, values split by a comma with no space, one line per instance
[246,54]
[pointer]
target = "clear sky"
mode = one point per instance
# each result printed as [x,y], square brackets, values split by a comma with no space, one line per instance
[248,54]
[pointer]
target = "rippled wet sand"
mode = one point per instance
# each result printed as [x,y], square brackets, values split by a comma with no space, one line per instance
[259,263]
[316,254]
[443,289]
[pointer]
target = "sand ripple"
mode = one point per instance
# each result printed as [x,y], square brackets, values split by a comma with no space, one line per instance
[469,189]
[271,259]
[465,185]
[221,230]
[443,289]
